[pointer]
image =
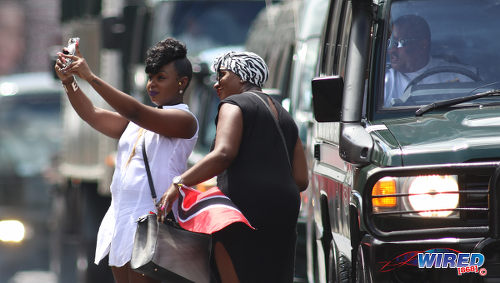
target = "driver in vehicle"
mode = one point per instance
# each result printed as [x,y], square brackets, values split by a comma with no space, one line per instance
[409,52]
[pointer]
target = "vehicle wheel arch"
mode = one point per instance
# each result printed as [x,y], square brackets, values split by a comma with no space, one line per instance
[327,236]
[338,266]
[356,232]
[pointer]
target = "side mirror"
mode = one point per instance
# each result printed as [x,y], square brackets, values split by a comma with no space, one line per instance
[356,144]
[327,95]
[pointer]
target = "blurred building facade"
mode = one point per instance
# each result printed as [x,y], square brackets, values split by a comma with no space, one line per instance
[28,29]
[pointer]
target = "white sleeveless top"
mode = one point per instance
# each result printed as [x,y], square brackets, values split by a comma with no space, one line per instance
[130,193]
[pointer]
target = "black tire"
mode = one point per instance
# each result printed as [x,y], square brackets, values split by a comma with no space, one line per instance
[344,270]
[339,267]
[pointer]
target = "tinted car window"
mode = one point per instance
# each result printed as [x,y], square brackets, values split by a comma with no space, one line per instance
[463,52]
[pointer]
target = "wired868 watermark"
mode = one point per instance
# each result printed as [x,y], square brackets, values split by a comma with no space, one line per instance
[463,262]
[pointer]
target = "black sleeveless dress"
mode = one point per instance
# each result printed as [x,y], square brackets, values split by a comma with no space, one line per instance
[260,182]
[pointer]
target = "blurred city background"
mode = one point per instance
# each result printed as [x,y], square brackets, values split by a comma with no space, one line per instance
[54,169]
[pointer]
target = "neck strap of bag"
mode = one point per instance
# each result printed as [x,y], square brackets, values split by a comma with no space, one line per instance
[277,126]
[148,171]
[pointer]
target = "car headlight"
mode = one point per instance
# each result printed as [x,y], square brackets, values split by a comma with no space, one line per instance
[423,196]
[434,196]
[12,231]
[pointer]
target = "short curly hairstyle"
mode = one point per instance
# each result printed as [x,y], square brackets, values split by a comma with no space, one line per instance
[166,51]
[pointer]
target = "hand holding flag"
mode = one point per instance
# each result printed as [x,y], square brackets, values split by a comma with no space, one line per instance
[206,212]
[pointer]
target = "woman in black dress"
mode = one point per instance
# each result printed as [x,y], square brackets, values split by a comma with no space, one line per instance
[255,169]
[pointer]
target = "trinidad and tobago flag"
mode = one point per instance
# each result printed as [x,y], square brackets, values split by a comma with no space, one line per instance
[206,212]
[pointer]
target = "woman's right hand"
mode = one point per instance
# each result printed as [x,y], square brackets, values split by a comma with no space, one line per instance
[77,67]
[61,74]
[164,206]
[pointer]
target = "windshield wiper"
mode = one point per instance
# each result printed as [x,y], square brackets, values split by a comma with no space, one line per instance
[454,101]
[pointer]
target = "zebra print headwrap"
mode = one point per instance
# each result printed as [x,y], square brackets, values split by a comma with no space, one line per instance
[249,66]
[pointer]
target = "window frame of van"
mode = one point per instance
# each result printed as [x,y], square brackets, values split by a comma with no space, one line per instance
[377,66]
[285,69]
[334,51]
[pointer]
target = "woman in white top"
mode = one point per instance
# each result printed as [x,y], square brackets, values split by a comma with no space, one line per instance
[169,132]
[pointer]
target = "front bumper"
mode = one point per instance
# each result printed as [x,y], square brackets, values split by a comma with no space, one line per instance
[391,249]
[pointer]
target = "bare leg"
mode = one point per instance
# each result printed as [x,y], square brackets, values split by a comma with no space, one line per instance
[125,274]
[225,265]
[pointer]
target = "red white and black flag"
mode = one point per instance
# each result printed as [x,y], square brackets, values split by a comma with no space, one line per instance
[206,212]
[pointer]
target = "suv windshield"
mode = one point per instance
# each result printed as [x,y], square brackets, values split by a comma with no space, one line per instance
[205,24]
[438,50]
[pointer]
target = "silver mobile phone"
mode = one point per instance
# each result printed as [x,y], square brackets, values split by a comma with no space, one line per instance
[71,49]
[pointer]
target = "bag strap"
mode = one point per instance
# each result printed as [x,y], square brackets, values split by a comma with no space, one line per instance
[277,126]
[148,171]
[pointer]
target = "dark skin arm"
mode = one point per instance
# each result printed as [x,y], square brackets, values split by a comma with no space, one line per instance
[166,122]
[107,122]
[227,142]
[299,166]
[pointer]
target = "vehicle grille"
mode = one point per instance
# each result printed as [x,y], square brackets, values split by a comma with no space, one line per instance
[474,198]
[471,218]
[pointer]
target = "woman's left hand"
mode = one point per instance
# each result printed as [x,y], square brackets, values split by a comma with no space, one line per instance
[164,206]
